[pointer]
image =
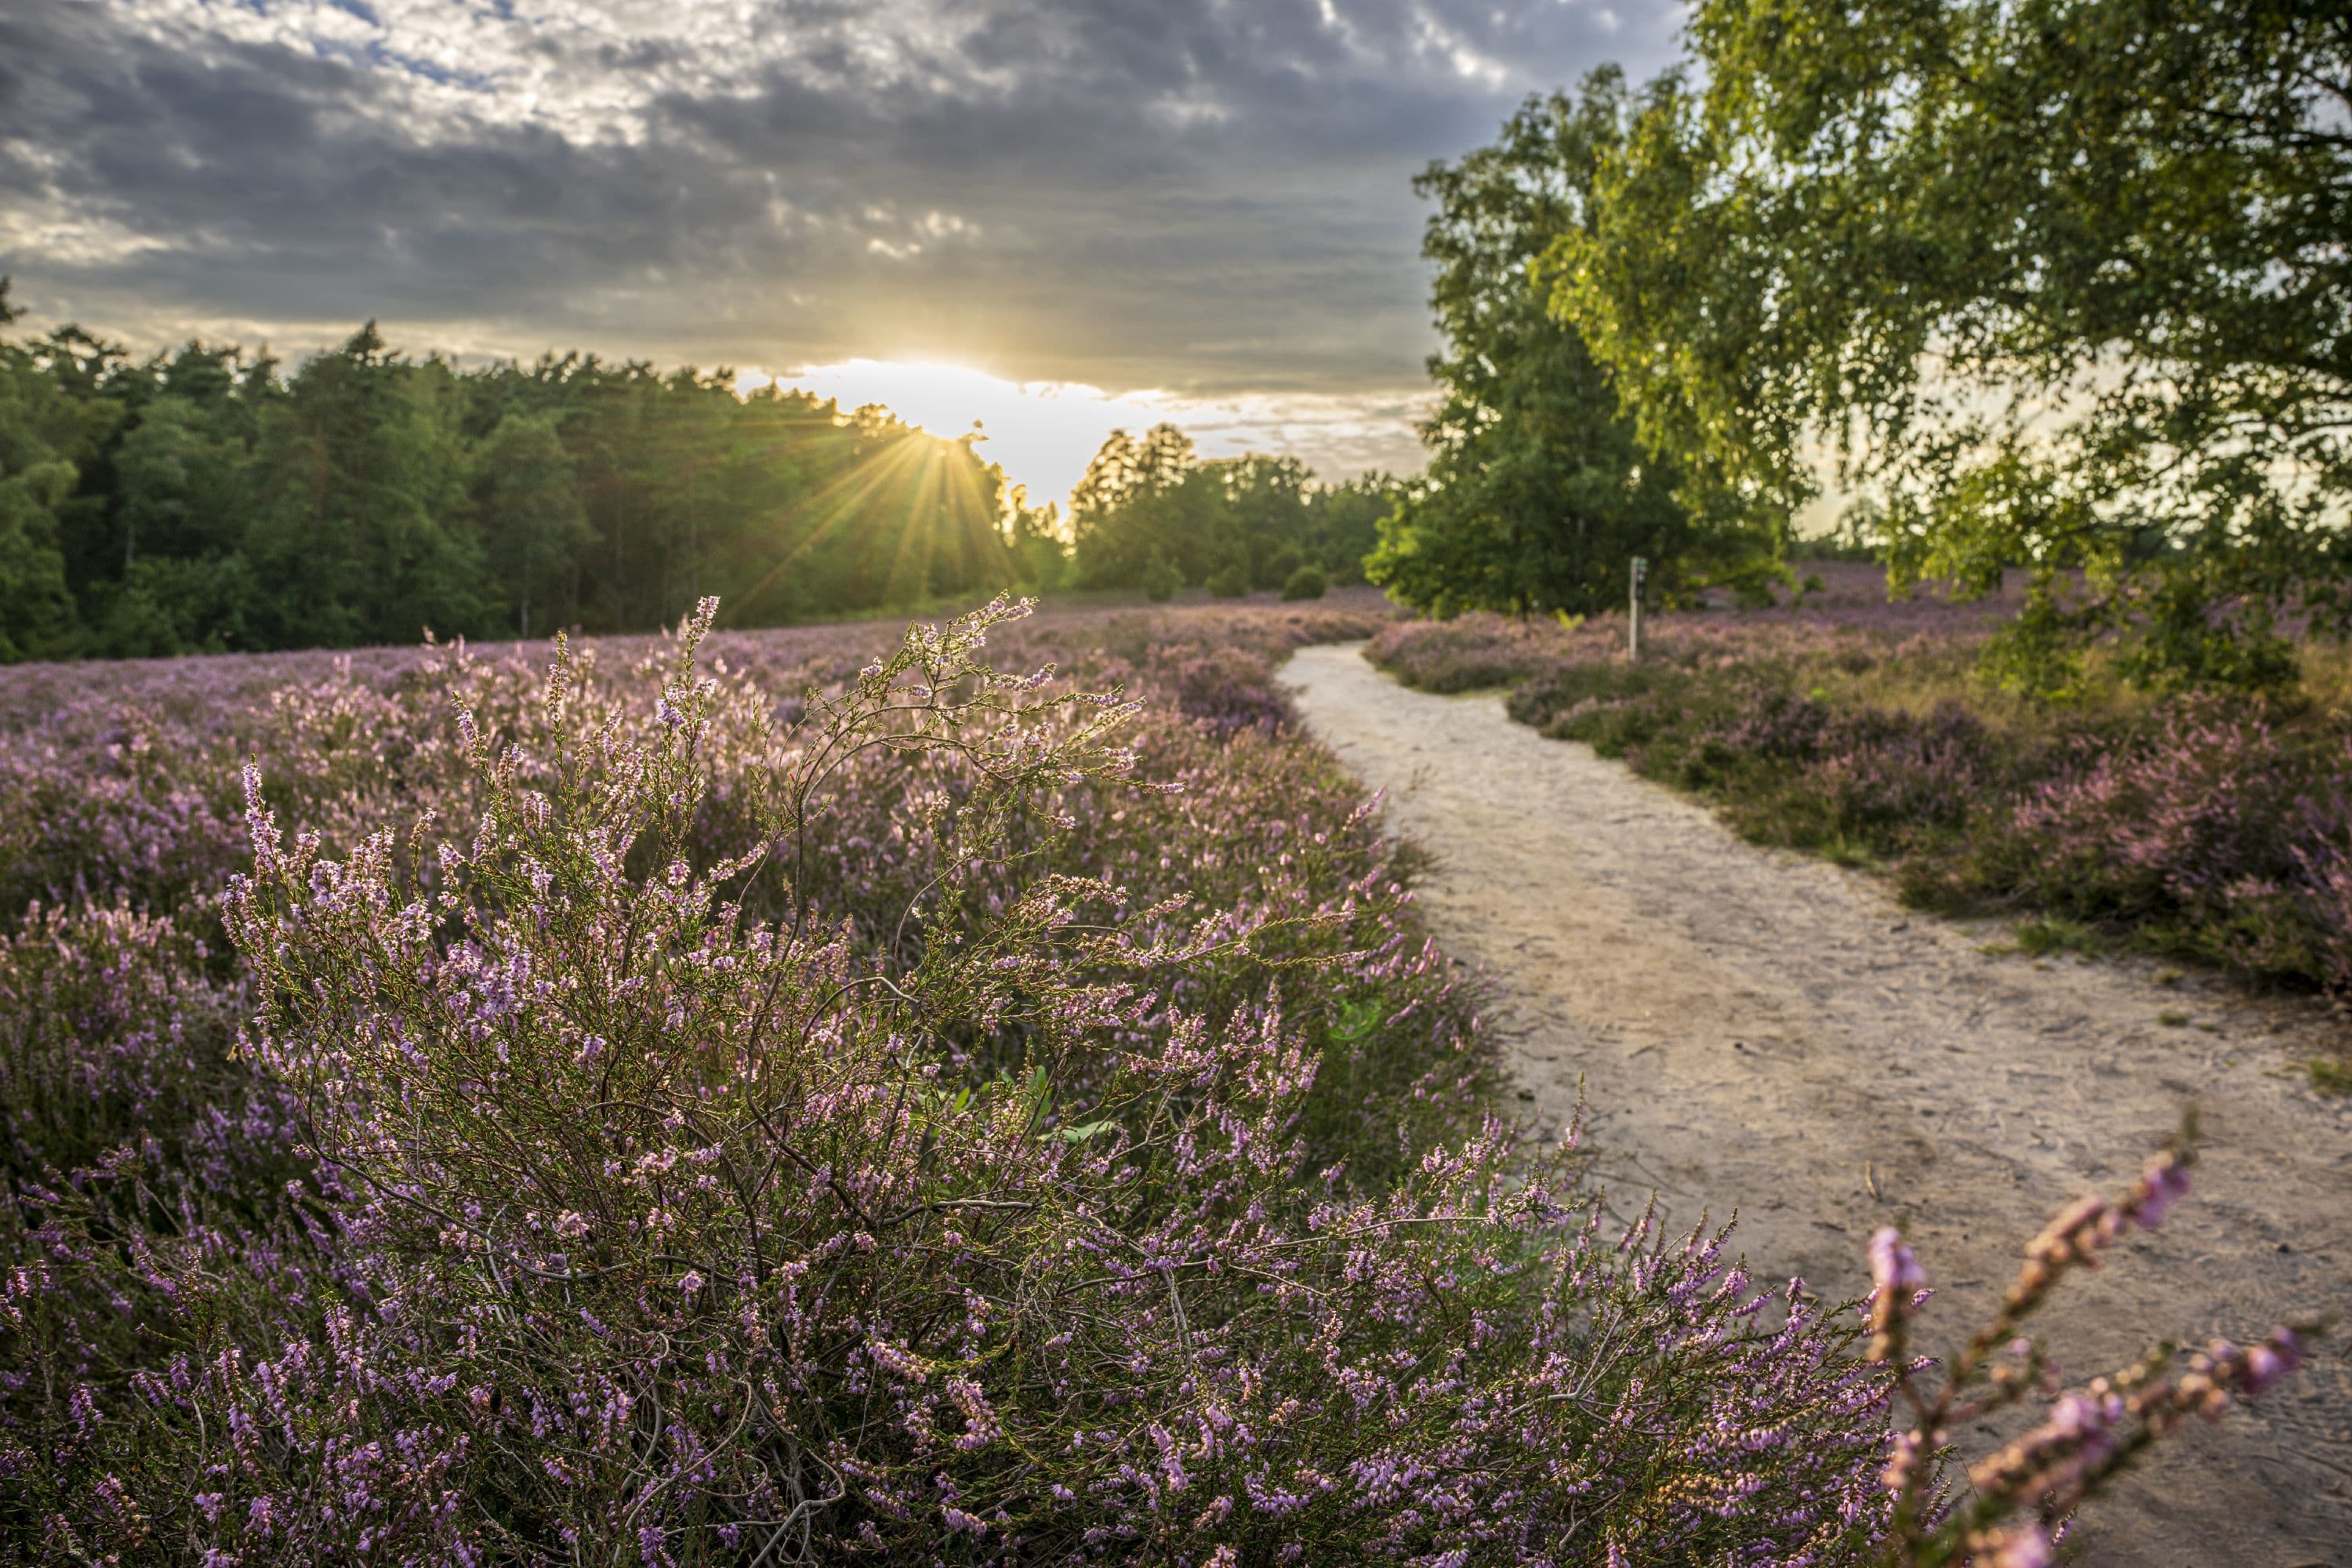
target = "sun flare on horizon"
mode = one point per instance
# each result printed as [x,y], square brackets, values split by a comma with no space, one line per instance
[1041,433]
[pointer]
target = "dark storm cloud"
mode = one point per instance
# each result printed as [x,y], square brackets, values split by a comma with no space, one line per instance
[1212,197]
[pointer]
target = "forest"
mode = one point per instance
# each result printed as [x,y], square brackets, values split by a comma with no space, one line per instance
[213,500]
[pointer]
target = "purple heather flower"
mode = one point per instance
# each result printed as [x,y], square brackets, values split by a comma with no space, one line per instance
[1894,1269]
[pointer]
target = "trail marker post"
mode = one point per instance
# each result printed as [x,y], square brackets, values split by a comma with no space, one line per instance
[1634,621]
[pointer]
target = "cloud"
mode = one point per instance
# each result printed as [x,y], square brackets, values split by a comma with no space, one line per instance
[1206,196]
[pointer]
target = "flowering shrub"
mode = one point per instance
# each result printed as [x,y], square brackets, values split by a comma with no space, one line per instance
[110,1031]
[1095,1168]
[2213,819]
[2221,830]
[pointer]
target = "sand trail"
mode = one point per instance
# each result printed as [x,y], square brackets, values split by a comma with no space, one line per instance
[1761,1031]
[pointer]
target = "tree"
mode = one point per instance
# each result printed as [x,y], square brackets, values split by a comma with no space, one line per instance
[1265,515]
[37,613]
[361,533]
[1034,535]
[1345,527]
[528,500]
[1142,500]
[2056,282]
[1537,494]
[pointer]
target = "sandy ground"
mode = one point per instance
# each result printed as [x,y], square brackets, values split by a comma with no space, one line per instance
[1767,1033]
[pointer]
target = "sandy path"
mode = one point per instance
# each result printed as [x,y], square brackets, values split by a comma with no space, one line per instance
[1766,1032]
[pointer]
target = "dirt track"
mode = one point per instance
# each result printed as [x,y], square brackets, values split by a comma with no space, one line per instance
[1767,1033]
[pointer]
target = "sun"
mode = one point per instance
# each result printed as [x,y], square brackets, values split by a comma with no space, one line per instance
[1041,433]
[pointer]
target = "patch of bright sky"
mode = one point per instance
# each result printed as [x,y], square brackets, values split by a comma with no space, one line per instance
[588,70]
[1043,433]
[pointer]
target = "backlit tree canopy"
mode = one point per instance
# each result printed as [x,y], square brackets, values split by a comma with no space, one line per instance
[2059,282]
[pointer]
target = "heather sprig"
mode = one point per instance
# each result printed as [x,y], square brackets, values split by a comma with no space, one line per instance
[2020,1496]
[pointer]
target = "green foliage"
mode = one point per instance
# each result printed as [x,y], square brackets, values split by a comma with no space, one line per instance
[1257,518]
[1538,493]
[2060,284]
[35,611]
[526,478]
[2055,933]
[1307,583]
[200,500]
[36,478]
[1161,579]
[357,535]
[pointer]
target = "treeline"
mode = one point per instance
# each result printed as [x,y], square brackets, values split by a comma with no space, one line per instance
[206,500]
[1150,514]
[2057,284]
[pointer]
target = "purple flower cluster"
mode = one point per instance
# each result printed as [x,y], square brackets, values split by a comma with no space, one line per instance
[2211,814]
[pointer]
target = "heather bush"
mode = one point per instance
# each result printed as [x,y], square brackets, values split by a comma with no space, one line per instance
[114,1033]
[1467,653]
[118,813]
[2214,823]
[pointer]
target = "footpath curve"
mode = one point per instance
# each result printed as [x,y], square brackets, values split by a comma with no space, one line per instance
[1764,1032]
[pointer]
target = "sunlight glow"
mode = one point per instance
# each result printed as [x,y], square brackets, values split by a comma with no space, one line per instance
[1043,432]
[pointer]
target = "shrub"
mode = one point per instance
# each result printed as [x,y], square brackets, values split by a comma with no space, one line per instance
[112,1033]
[1231,580]
[1276,569]
[1161,579]
[1307,583]
[637,1223]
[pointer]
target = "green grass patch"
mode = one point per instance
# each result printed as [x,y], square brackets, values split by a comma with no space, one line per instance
[2056,934]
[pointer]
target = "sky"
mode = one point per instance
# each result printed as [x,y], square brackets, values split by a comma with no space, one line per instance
[1054,216]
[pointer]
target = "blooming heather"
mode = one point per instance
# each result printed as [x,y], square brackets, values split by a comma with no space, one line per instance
[738,1099]
[925,1112]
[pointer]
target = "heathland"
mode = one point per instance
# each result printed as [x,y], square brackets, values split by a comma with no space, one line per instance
[986,1095]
